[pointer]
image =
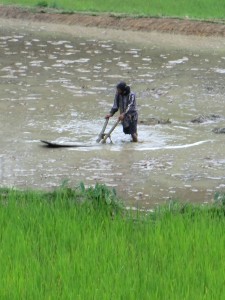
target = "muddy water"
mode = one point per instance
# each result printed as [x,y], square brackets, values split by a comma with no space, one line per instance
[58,86]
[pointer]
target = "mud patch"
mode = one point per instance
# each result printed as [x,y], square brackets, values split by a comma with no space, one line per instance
[219,130]
[154,121]
[208,118]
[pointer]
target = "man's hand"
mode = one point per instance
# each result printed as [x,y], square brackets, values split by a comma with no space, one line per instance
[121,117]
[108,116]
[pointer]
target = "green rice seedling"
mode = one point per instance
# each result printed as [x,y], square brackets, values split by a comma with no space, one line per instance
[59,245]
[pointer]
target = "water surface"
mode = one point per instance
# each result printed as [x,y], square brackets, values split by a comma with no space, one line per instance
[58,87]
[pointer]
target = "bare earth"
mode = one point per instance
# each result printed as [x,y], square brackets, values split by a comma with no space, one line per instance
[163,25]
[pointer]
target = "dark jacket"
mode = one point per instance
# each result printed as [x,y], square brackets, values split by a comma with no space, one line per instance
[125,103]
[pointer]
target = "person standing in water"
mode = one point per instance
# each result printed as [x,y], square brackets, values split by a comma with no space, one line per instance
[125,102]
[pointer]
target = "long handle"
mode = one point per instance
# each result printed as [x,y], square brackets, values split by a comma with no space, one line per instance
[110,131]
[102,131]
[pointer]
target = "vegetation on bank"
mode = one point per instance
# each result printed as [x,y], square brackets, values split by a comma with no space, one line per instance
[82,244]
[200,9]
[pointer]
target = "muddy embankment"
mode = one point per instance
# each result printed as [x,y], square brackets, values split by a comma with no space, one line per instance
[168,25]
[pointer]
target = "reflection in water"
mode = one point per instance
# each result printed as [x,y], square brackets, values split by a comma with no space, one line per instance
[59,89]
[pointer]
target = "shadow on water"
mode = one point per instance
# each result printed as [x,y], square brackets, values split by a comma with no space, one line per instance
[58,87]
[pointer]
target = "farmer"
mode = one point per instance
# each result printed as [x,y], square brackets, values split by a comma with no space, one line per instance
[125,102]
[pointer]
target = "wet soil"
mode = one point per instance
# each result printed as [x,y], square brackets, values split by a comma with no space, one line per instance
[58,81]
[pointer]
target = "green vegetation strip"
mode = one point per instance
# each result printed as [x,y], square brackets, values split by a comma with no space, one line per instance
[197,9]
[82,244]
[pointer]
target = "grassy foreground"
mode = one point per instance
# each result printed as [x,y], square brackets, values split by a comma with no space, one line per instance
[197,9]
[79,244]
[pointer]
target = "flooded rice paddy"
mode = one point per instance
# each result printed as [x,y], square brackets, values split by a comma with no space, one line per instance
[58,87]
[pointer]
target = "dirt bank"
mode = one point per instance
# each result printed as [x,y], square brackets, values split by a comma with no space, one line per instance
[176,26]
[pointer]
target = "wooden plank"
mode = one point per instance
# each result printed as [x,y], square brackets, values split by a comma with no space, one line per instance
[64,145]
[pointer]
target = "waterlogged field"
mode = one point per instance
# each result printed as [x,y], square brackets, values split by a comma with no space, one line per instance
[201,9]
[81,244]
[59,86]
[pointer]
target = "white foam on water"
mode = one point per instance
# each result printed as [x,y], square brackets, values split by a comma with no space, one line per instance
[145,75]
[82,60]
[182,127]
[85,78]
[220,71]
[214,178]
[131,52]
[106,46]
[146,59]
[174,147]
[13,40]
[36,63]
[123,65]
[18,36]
[83,70]
[7,69]
[9,76]
[97,88]
[10,53]
[58,65]
[58,42]
[5,37]
[113,76]
[50,56]
[97,52]
[60,80]
[178,61]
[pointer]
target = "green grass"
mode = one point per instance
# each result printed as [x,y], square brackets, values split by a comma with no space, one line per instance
[80,244]
[197,9]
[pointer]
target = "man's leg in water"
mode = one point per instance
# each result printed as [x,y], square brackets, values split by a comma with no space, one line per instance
[131,129]
[134,137]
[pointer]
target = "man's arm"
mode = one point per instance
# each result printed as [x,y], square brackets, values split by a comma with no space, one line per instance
[114,108]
